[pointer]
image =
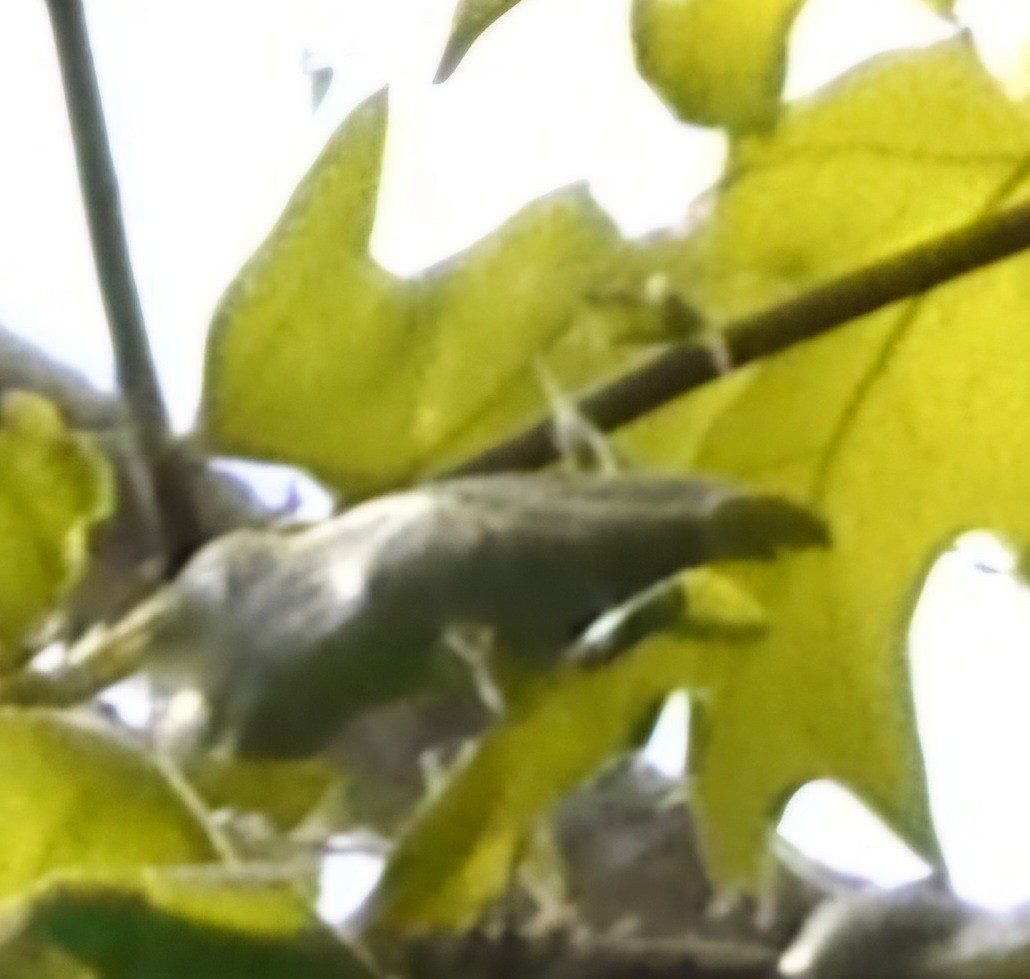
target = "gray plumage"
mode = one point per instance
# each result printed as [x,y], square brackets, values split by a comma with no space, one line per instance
[290,635]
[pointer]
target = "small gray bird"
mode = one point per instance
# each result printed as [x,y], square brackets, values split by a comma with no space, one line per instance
[290,635]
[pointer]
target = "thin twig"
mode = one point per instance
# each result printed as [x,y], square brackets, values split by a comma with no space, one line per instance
[137,377]
[136,374]
[761,334]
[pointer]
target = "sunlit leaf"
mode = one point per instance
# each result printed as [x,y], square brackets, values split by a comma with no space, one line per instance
[716,62]
[717,607]
[171,924]
[459,854]
[901,430]
[321,358]
[74,797]
[54,485]
[470,20]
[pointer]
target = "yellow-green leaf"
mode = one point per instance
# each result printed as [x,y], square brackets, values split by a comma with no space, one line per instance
[321,358]
[717,607]
[169,924]
[74,797]
[54,485]
[716,62]
[900,430]
[470,20]
[459,853]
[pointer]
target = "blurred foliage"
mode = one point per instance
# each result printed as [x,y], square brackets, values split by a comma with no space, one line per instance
[169,924]
[76,797]
[459,854]
[944,7]
[900,430]
[54,484]
[284,791]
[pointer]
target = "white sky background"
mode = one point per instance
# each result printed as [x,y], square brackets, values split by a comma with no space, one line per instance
[209,111]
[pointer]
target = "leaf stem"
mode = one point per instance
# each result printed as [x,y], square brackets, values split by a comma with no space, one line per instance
[762,334]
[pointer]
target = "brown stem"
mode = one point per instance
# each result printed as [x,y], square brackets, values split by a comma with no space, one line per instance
[769,331]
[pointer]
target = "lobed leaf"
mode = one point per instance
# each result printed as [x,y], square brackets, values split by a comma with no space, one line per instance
[902,429]
[319,357]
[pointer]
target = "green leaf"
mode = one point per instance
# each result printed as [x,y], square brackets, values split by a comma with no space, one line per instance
[459,853]
[717,607]
[901,429]
[169,924]
[284,791]
[470,20]
[73,796]
[319,357]
[716,62]
[54,485]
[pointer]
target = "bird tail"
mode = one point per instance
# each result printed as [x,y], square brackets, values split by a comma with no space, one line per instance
[759,526]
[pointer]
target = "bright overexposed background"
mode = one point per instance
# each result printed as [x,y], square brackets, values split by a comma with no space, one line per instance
[211,117]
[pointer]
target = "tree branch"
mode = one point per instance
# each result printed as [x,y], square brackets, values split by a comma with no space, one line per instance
[560,956]
[137,377]
[761,334]
[136,374]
